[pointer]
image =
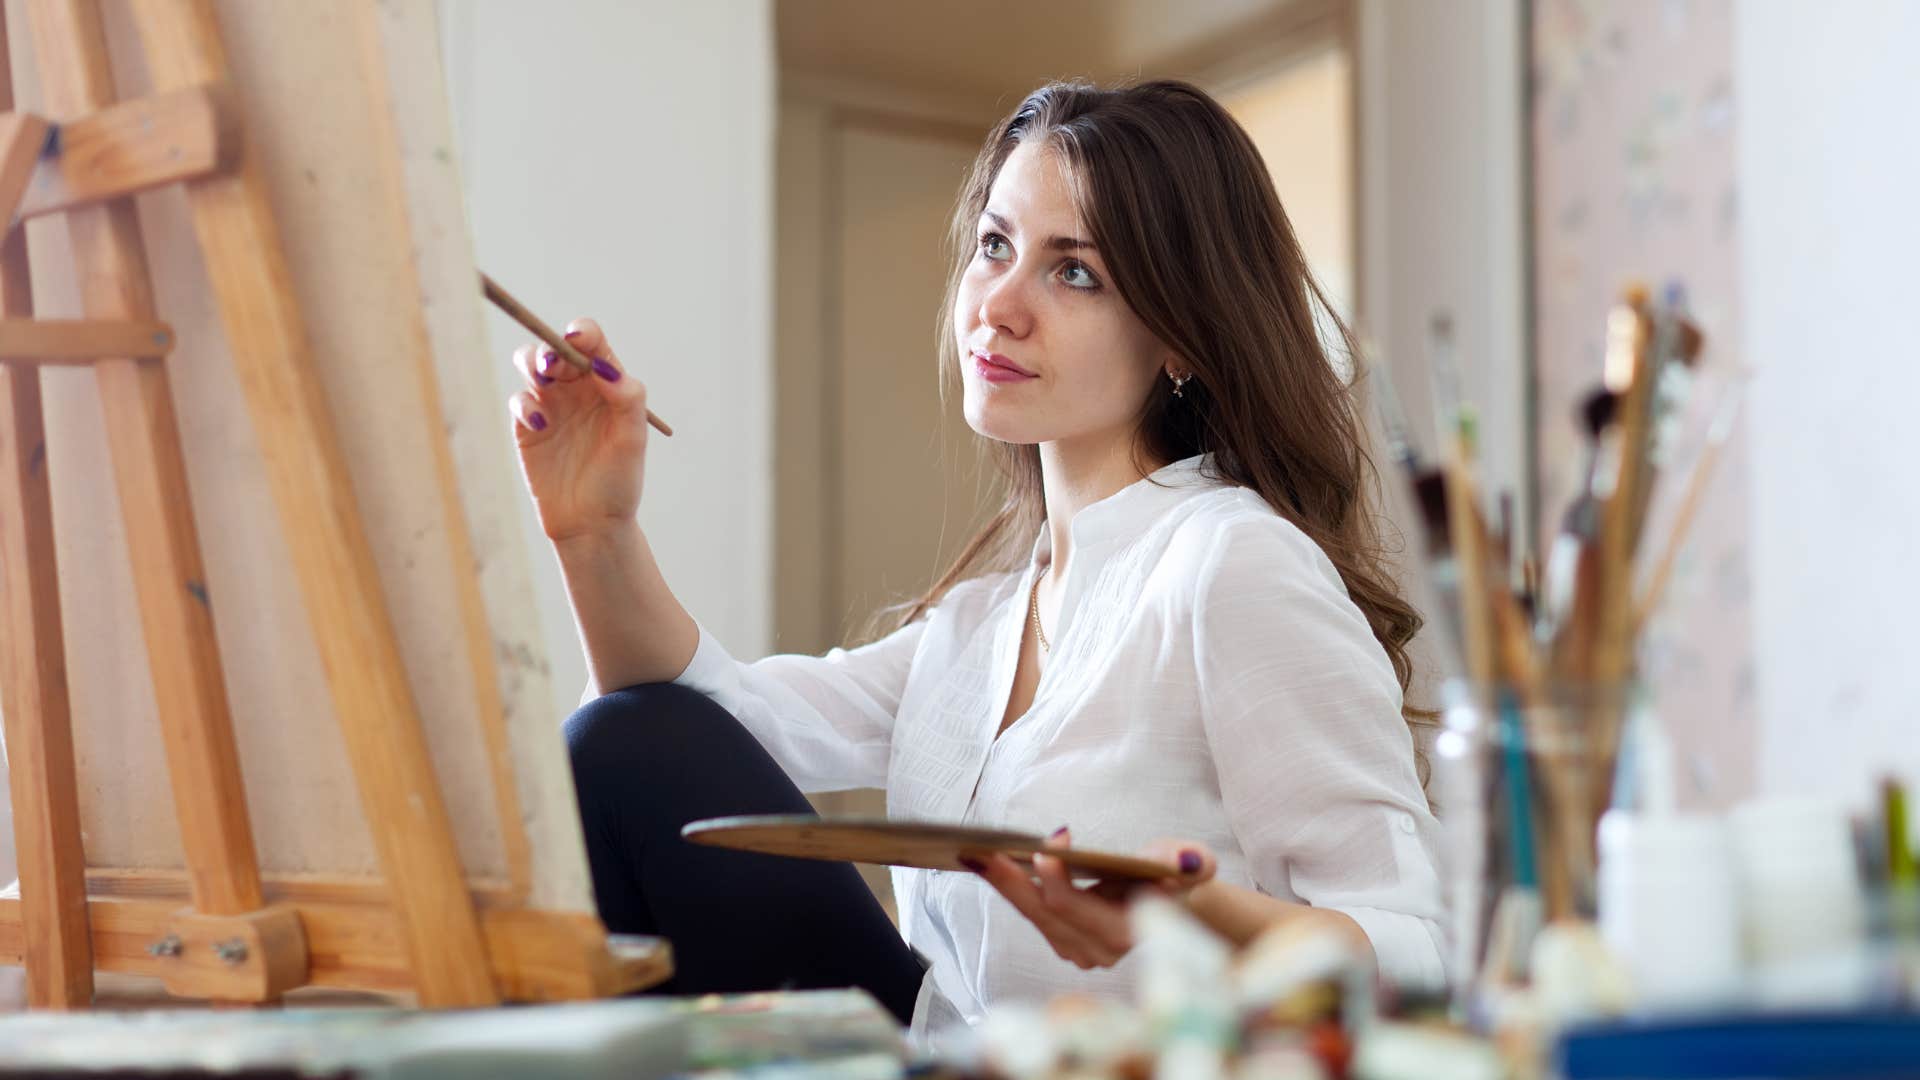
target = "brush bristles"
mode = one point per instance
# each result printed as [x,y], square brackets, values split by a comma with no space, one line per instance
[1598,411]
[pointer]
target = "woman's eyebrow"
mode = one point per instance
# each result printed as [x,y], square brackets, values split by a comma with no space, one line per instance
[1056,243]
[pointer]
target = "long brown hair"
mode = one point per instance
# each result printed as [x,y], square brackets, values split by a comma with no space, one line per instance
[1183,211]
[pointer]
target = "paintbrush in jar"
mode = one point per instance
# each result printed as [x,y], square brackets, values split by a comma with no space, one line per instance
[1573,561]
[1698,477]
[1428,486]
[1466,527]
[1673,358]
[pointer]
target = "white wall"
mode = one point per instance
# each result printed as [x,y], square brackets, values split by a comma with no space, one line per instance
[619,163]
[1829,163]
[1440,208]
[1439,109]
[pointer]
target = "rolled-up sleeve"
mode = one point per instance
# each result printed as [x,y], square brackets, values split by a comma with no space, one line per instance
[827,720]
[1302,713]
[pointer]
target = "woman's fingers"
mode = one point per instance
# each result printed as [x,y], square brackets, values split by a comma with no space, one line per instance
[1195,861]
[610,378]
[1087,926]
[1092,911]
[530,422]
[1012,882]
[523,363]
[528,361]
[586,335]
[552,366]
[1068,940]
[1094,916]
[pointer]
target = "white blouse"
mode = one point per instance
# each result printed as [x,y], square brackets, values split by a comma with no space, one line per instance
[1209,679]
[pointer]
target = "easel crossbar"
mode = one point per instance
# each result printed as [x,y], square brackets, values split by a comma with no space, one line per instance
[82,341]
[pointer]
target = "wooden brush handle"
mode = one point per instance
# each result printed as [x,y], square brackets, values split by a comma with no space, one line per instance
[518,312]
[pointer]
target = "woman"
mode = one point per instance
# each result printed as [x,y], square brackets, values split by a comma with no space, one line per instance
[1178,624]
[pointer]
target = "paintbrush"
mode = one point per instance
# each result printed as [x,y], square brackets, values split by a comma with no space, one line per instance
[1703,466]
[1393,418]
[1468,538]
[1902,871]
[1674,355]
[1429,489]
[518,312]
[1503,539]
[1530,590]
[1617,483]
[1572,561]
[1610,661]
[1467,529]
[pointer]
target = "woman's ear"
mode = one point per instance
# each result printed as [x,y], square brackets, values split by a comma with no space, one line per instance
[1178,377]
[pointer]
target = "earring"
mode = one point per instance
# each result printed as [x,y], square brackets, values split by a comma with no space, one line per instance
[1179,381]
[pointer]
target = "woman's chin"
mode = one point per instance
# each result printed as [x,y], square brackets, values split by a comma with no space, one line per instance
[995,424]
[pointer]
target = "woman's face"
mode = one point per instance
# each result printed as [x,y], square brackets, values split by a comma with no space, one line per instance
[1049,352]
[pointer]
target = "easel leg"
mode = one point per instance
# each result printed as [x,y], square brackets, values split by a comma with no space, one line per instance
[33,667]
[33,676]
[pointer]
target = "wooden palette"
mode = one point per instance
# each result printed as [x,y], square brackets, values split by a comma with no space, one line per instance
[927,845]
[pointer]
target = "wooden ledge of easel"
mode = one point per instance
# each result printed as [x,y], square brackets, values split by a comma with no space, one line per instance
[82,341]
[134,146]
[353,937]
[254,957]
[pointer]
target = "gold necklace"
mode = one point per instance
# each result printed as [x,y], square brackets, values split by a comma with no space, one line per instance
[1033,608]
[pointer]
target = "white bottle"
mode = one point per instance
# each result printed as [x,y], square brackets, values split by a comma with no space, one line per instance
[1669,909]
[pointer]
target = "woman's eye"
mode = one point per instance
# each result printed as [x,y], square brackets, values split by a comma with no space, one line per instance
[994,246]
[1078,276]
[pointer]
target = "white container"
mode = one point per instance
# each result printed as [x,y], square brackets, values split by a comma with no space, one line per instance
[1804,909]
[1669,908]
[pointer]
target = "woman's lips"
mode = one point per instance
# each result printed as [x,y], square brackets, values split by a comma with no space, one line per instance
[996,368]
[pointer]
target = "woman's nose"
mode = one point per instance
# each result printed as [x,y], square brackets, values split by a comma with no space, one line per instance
[1006,307]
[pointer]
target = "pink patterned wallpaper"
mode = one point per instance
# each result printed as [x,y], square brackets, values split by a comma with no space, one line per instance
[1633,121]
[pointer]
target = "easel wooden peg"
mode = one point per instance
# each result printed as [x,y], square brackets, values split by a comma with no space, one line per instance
[258,956]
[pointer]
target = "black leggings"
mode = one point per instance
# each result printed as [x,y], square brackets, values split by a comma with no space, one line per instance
[649,759]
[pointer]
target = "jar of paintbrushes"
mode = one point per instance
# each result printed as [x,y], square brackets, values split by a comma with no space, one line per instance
[1546,704]
[1522,778]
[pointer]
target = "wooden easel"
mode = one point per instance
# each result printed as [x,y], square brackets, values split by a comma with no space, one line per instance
[423,927]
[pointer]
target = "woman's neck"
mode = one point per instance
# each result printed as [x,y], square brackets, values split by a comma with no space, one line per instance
[1076,476]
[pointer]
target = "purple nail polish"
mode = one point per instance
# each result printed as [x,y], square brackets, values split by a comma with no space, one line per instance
[606,371]
[974,865]
[536,421]
[1189,862]
[1058,833]
[542,380]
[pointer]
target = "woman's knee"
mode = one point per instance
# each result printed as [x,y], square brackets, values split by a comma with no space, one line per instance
[621,723]
[625,734]
[667,747]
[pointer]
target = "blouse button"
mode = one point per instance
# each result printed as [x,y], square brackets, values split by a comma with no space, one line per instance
[1406,823]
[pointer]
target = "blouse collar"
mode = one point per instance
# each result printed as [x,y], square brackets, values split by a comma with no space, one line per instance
[1130,510]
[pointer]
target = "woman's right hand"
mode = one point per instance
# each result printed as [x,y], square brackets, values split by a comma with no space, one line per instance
[582,437]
